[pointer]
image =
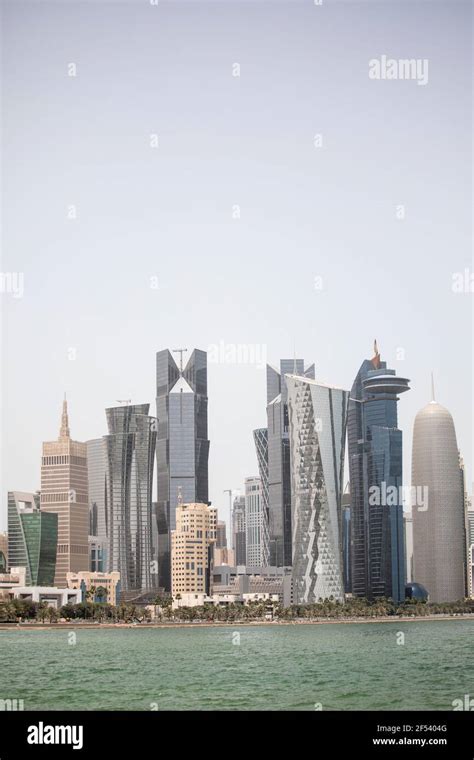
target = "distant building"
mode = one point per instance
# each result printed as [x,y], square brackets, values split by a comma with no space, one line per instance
[221,539]
[64,492]
[260,437]
[346,539]
[470,551]
[96,469]
[130,446]
[16,578]
[238,529]
[97,554]
[224,556]
[3,552]
[317,425]
[32,538]
[96,587]
[182,449]
[408,529]
[439,531]
[52,596]
[254,521]
[192,544]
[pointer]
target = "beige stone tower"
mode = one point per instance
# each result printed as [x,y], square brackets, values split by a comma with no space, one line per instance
[191,549]
[64,490]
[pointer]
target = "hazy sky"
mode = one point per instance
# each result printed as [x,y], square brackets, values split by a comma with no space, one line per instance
[90,319]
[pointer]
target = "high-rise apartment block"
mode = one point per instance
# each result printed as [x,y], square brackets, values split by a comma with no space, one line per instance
[192,544]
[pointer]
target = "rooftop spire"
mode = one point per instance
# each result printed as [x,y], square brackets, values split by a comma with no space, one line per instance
[376,358]
[433,399]
[64,431]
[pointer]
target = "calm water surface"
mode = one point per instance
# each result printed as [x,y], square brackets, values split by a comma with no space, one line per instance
[287,667]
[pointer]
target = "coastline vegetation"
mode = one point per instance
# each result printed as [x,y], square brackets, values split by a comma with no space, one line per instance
[25,610]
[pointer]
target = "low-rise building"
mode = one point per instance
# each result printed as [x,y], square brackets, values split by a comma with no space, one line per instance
[96,587]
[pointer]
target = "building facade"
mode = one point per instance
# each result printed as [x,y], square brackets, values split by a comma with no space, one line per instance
[96,471]
[254,522]
[192,544]
[32,537]
[130,451]
[375,466]
[260,437]
[279,477]
[64,492]
[182,449]
[317,425]
[3,552]
[96,587]
[238,530]
[439,540]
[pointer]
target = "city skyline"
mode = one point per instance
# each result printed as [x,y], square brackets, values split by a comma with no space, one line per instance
[281,217]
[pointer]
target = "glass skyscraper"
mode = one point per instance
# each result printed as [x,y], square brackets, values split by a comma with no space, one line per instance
[130,453]
[96,469]
[260,437]
[238,530]
[317,427]
[254,519]
[32,538]
[182,449]
[279,478]
[375,466]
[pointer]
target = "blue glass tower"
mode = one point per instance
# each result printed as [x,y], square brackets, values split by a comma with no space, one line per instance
[375,466]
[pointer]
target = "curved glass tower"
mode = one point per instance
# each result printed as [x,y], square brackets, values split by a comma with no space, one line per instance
[439,530]
[130,453]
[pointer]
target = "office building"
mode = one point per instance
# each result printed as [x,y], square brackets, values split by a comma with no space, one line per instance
[279,478]
[439,531]
[182,449]
[32,538]
[376,477]
[254,521]
[3,552]
[130,451]
[260,437]
[238,528]
[317,426]
[96,469]
[64,492]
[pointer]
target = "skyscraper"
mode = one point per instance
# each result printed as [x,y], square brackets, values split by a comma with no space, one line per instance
[260,437]
[32,538]
[96,469]
[182,449]
[439,530]
[130,451]
[254,519]
[64,491]
[375,466]
[238,528]
[191,549]
[317,426]
[279,479]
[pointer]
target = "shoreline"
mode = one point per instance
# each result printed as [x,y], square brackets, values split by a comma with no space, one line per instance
[226,624]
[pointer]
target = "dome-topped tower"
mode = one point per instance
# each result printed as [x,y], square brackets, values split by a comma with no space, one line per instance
[438,526]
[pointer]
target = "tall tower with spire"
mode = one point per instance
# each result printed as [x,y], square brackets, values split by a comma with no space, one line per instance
[375,466]
[64,491]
